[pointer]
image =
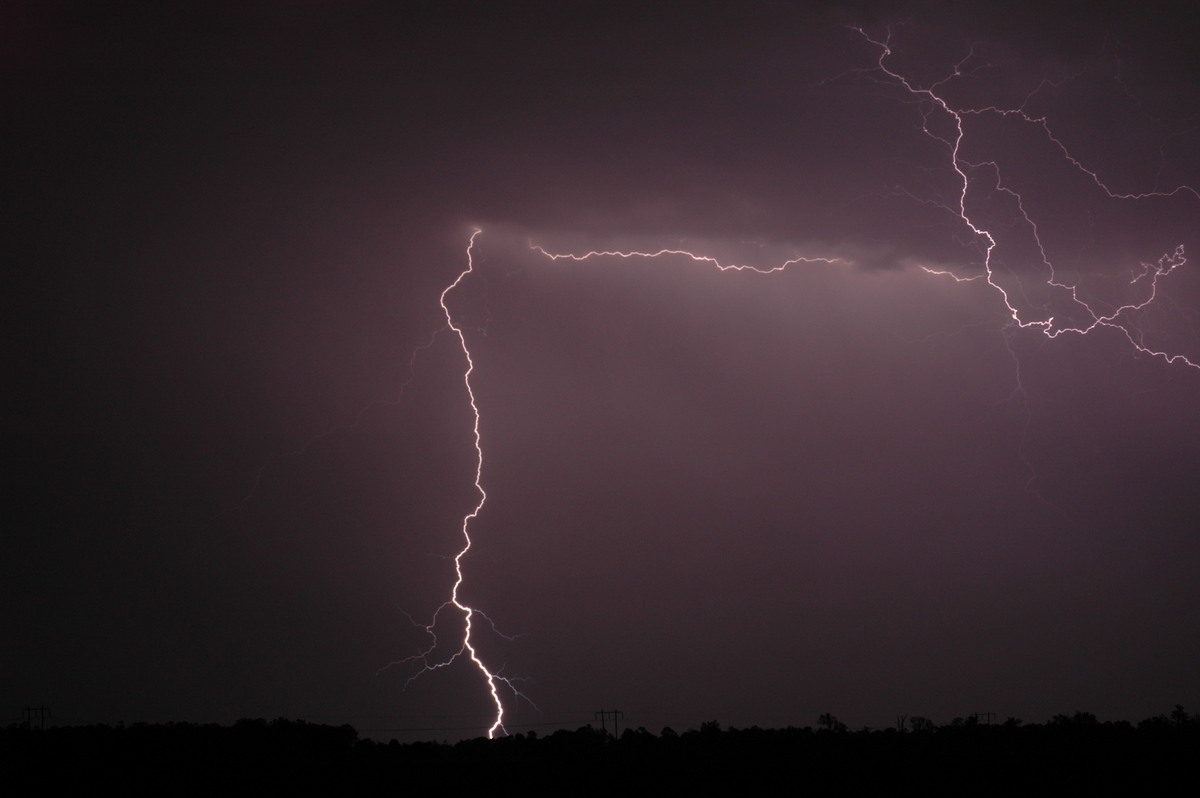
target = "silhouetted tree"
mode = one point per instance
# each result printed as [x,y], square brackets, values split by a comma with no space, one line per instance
[1078,719]
[831,723]
[920,724]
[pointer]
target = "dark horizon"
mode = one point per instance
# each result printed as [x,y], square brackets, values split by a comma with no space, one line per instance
[239,449]
[1072,753]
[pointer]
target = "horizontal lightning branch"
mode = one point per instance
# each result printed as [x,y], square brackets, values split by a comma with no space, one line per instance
[705,259]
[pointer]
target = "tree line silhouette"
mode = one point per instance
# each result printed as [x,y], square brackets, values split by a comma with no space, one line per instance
[1070,754]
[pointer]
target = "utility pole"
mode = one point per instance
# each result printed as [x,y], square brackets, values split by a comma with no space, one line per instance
[604,714]
[28,712]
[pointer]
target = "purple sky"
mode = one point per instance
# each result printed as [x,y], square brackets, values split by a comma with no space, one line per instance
[848,488]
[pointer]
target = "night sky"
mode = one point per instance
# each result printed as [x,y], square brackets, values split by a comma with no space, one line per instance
[237,446]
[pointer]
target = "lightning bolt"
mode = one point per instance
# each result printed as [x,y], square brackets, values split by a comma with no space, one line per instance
[425,657]
[1151,273]
[701,259]
[1145,279]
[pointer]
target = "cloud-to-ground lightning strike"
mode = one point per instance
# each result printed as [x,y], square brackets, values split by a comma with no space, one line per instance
[1145,278]
[491,677]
